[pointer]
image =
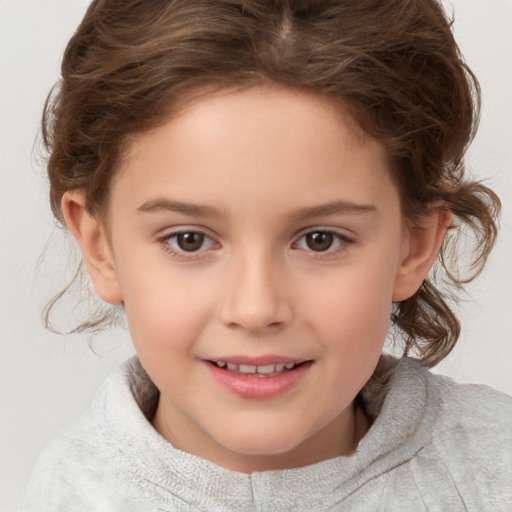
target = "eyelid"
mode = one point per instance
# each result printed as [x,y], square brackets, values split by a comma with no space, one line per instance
[170,231]
[168,234]
[342,232]
[339,234]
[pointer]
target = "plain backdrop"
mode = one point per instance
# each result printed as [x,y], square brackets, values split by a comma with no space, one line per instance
[46,379]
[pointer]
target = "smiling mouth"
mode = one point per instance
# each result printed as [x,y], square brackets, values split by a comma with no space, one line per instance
[268,370]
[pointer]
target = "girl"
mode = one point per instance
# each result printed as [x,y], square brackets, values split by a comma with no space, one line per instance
[261,187]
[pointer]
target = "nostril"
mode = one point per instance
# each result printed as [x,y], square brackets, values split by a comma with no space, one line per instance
[255,312]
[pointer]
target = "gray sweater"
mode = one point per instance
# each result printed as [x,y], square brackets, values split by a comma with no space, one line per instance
[434,445]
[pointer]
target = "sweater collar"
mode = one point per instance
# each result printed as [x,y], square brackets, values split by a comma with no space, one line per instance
[399,398]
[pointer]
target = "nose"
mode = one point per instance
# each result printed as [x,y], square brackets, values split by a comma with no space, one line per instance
[257,297]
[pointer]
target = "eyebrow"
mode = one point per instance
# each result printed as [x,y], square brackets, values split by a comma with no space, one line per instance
[159,204]
[341,207]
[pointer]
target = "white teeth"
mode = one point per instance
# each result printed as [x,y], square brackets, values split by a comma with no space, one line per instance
[245,368]
[269,368]
[251,369]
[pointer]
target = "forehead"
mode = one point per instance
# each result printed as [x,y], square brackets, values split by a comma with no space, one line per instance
[263,144]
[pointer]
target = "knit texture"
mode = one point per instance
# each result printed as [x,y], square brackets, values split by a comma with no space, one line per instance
[434,445]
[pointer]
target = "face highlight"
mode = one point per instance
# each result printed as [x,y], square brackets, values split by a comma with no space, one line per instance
[257,241]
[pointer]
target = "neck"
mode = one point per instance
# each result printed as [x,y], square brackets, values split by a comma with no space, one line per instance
[338,438]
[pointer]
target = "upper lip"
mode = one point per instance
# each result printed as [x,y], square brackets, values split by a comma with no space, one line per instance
[258,360]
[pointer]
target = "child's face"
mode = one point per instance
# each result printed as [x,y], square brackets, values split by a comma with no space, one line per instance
[257,228]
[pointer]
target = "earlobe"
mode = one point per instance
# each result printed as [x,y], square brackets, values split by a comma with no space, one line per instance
[422,247]
[90,235]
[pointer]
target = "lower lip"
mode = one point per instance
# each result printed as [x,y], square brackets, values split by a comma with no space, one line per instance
[252,386]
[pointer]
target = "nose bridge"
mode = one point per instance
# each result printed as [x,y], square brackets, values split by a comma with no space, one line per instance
[256,297]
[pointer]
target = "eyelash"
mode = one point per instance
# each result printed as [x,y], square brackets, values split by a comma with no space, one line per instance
[165,242]
[178,253]
[340,238]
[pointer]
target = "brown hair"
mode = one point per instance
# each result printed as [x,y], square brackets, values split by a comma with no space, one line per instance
[393,63]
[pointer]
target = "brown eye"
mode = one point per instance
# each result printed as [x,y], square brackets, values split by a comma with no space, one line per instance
[319,241]
[187,245]
[190,242]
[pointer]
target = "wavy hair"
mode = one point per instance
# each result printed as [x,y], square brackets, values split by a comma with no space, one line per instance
[394,64]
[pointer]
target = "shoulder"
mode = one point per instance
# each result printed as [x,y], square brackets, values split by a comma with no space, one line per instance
[82,465]
[457,449]
[472,411]
[482,403]
[454,407]
[64,469]
[472,438]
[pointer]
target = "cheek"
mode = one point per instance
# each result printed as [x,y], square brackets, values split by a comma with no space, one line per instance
[350,320]
[352,309]
[165,309]
[353,330]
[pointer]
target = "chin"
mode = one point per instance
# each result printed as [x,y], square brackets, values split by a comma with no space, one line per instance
[262,443]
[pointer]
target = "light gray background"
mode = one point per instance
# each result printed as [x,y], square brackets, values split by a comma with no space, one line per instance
[46,380]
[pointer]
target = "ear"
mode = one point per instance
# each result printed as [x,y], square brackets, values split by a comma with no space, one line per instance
[93,240]
[420,251]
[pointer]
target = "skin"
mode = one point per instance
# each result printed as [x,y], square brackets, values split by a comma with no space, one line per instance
[261,163]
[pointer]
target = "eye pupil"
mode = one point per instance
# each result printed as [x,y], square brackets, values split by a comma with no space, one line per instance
[190,242]
[319,240]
